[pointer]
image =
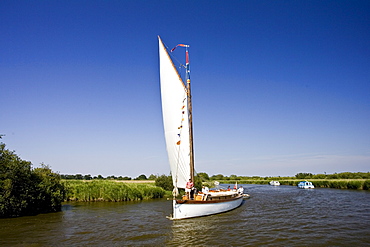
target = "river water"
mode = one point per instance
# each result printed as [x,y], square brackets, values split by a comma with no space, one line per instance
[273,216]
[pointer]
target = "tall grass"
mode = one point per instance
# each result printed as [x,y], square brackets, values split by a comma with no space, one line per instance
[111,191]
[357,184]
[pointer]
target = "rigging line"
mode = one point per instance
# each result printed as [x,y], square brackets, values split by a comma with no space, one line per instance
[178,61]
[180,68]
[173,56]
[180,135]
[180,64]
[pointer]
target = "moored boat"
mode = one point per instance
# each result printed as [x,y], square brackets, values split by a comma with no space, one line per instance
[305,185]
[178,129]
[275,183]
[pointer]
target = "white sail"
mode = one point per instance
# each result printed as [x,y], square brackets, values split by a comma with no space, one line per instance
[175,119]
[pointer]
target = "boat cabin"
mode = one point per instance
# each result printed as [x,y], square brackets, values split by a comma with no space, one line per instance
[305,185]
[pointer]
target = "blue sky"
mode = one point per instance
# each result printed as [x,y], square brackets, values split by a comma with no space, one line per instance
[279,87]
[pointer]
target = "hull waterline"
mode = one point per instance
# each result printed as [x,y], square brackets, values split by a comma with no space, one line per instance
[190,209]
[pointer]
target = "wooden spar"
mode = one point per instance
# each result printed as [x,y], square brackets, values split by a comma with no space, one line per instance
[190,115]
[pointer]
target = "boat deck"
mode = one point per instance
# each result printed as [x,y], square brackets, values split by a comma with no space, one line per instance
[211,197]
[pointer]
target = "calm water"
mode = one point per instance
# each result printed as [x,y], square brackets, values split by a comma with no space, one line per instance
[273,216]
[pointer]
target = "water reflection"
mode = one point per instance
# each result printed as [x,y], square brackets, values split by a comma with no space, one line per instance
[117,223]
[208,231]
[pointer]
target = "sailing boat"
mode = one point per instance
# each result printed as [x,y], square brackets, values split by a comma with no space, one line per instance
[178,129]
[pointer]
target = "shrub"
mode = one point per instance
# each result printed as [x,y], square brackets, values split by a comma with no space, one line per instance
[366,185]
[27,191]
[164,182]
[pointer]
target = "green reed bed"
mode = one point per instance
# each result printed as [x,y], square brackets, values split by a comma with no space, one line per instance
[111,191]
[357,184]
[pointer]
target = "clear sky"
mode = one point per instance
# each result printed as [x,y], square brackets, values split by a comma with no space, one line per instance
[279,87]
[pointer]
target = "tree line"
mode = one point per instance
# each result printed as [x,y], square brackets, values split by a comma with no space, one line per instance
[204,177]
[342,175]
[100,177]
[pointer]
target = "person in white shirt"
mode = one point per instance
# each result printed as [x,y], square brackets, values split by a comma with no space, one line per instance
[240,190]
[205,189]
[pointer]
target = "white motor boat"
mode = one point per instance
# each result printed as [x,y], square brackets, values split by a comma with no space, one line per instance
[305,185]
[275,183]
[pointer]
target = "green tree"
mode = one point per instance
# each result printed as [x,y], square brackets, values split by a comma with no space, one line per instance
[27,191]
[303,175]
[15,183]
[141,177]
[319,176]
[50,192]
[164,182]
[198,182]
[234,177]
[203,176]
[217,177]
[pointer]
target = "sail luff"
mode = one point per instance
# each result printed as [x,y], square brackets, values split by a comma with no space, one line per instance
[175,118]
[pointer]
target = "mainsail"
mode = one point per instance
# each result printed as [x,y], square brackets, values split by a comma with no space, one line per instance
[175,118]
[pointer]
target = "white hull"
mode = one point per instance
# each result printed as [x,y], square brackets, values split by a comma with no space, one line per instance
[275,183]
[202,208]
[305,185]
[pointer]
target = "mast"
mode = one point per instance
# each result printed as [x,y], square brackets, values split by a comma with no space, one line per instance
[190,114]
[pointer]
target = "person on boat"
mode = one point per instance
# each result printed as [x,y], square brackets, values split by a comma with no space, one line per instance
[228,188]
[188,188]
[205,189]
[241,190]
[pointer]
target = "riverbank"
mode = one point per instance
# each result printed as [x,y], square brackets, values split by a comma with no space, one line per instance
[134,190]
[111,191]
[357,184]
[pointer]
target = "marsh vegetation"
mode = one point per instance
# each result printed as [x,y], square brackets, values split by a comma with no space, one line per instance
[110,191]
